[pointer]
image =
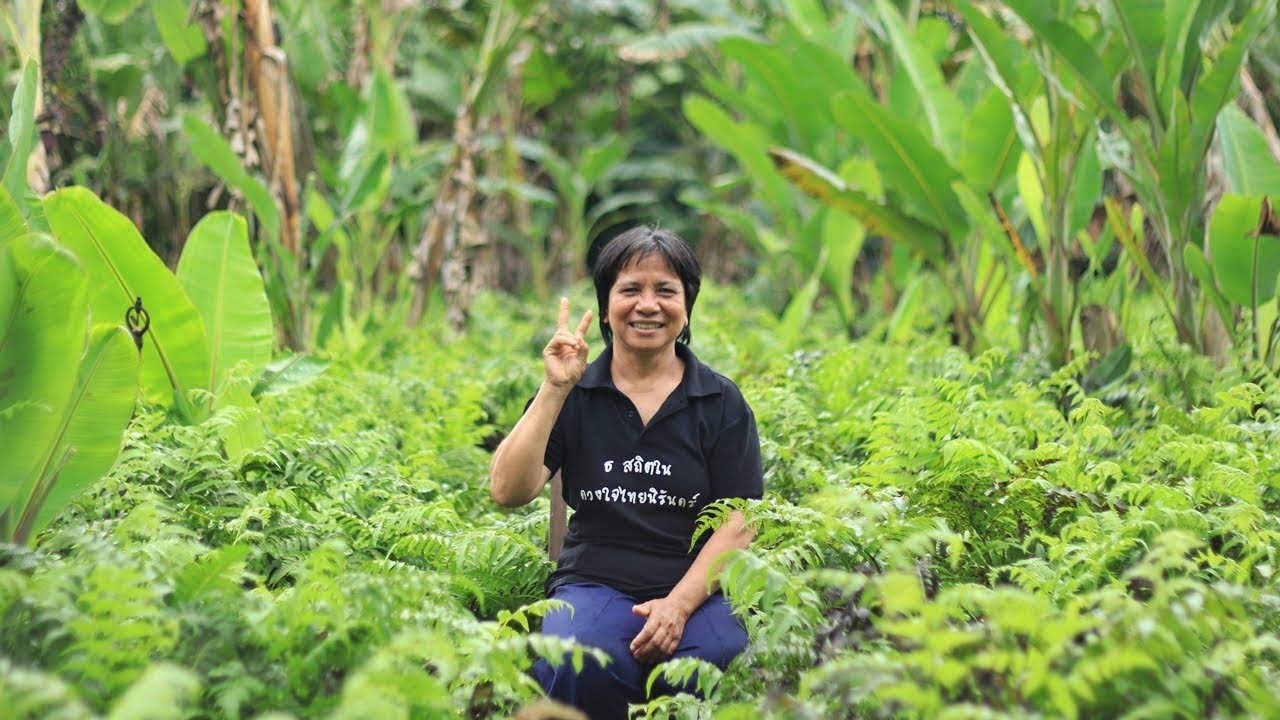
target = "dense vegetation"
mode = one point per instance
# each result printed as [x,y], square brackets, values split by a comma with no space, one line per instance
[998,278]
[942,535]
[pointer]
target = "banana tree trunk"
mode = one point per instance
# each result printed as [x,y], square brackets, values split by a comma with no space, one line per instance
[452,203]
[267,67]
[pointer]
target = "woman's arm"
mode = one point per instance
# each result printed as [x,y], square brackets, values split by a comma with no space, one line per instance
[517,473]
[666,616]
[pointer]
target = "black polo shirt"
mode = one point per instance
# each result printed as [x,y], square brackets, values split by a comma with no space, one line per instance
[636,490]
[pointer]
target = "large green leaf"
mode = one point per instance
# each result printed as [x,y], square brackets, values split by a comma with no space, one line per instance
[677,42]
[11,223]
[390,118]
[1179,21]
[218,273]
[1095,85]
[213,150]
[785,95]
[1217,86]
[88,438]
[112,11]
[1233,250]
[990,147]
[749,145]
[22,132]
[175,351]
[185,42]
[829,188]
[910,165]
[288,373]
[1004,58]
[843,236]
[43,317]
[941,107]
[1143,29]
[1250,167]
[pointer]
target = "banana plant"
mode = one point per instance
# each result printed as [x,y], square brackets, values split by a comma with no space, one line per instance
[122,268]
[67,385]
[757,104]
[911,173]
[1175,90]
[1059,174]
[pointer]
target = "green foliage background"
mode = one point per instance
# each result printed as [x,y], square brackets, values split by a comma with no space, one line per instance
[979,504]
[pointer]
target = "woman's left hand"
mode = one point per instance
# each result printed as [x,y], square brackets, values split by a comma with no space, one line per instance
[663,628]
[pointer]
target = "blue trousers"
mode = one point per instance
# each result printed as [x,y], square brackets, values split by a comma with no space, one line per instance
[602,618]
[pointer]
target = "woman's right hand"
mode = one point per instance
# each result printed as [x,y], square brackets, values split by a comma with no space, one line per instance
[566,354]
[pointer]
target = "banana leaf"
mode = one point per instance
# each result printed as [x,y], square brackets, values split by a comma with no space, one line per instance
[43,318]
[88,439]
[121,267]
[909,164]
[22,133]
[218,273]
[824,185]
[11,223]
[1250,167]
[941,107]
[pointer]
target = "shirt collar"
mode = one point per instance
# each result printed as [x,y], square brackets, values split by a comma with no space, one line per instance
[699,380]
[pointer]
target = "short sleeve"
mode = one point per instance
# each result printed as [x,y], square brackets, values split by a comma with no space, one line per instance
[734,463]
[553,457]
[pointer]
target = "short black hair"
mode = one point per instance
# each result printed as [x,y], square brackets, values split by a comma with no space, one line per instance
[633,245]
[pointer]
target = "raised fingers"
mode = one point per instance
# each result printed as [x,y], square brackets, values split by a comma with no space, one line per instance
[585,325]
[563,323]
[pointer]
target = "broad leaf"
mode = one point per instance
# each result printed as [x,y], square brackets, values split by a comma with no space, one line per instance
[1095,84]
[1233,251]
[113,12]
[218,273]
[11,223]
[1004,58]
[827,187]
[790,96]
[1143,29]
[92,428]
[1217,86]
[843,236]
[390,119]
[677,42]
[1179,21]
[943,111]
[749,145]
[289,372]
[214,151]
[185,42]
[121,267]
[1251,168]
[599,159]
[990,147]
[43,317]
[910,165]
[22,132]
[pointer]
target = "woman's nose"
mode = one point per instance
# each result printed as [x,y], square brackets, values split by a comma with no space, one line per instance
[648,302]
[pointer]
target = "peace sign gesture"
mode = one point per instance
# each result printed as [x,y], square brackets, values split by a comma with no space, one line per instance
[566,355]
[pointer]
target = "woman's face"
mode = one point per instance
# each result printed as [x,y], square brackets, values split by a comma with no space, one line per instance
[646,306]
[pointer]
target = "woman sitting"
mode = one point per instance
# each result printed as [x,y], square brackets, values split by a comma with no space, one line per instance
[644,437]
